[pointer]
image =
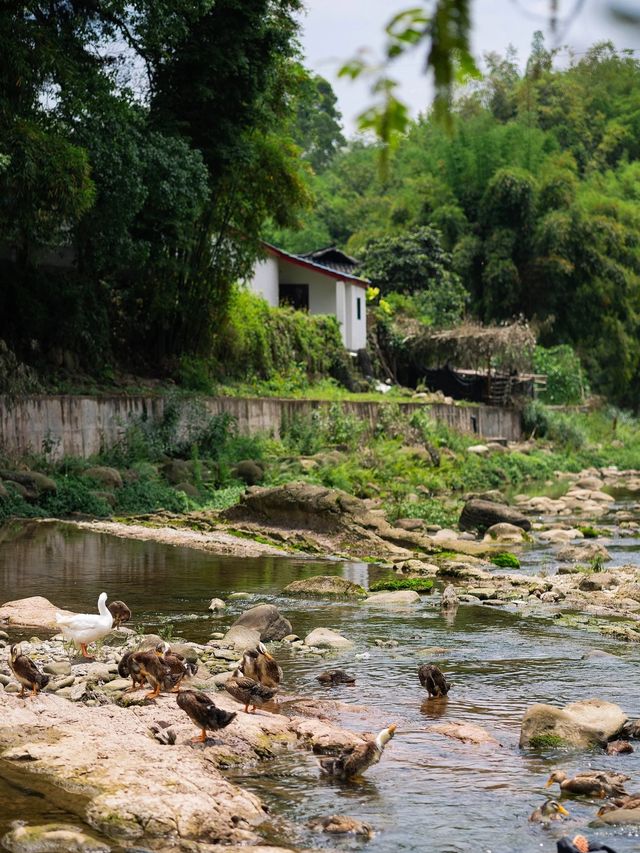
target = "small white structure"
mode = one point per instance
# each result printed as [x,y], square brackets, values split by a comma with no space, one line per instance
[319,288]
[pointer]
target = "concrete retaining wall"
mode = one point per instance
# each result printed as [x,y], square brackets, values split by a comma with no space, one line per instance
[82,426]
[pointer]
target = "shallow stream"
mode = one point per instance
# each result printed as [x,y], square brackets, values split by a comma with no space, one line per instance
[429,793]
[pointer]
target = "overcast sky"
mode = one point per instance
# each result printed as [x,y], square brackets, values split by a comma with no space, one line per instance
[335,30]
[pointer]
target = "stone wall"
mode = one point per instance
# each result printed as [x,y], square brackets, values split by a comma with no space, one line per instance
[81,426]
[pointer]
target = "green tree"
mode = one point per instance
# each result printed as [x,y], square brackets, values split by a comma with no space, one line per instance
[415,263]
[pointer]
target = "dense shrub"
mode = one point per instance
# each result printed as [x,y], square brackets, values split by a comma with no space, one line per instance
[278,343]
[566,382]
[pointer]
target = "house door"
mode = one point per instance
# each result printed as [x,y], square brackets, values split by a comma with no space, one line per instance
[295,295]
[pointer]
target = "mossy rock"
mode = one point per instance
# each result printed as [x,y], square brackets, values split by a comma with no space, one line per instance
[505,560]
[548,741]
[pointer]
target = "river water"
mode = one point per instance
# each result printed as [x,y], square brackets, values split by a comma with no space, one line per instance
[429,793]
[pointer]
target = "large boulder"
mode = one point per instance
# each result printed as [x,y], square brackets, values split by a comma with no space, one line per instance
[298,506]
[583,553]
[242,638]
[325,585]
[33,612]
[267,620]
[325,638]
[504,533]
[481,514]
[583,724]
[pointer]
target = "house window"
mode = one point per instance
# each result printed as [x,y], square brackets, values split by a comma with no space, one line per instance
[295,295]
[359,308]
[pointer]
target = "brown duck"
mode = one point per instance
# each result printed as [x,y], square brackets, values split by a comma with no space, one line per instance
[177,664]
[248,691]
[147,666]
[26,672]
[259,665]
[595,783]
[354,760]
[120,612]
[632,801]
[433,680]
[333,677]
[201,709]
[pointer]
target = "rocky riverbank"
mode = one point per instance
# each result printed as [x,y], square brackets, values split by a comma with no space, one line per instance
[125,764]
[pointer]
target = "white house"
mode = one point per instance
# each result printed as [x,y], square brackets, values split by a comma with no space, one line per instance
[318,282]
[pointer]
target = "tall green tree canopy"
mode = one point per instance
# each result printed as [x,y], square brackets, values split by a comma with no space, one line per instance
[142,152]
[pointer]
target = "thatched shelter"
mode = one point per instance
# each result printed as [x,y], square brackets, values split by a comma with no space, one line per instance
[507,349]
[488,364]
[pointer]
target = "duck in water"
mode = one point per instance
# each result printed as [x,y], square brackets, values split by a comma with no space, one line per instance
[354,760]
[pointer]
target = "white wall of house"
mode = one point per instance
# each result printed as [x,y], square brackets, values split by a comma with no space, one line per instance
[326,295]
[265,280]
[356,328]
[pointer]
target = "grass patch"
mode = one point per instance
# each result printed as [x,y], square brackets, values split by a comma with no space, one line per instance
[547,742]
[393,583]
[590,532]
[505,560]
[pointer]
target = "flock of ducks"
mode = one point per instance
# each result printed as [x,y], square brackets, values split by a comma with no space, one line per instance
[255,683]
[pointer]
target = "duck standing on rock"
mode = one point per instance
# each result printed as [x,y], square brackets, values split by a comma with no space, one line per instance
[248,691]
[433,680]
[147,666]
[596,783]
[120,612]
[84,628]
[261,666]
[26,671]
[354,760]
[177,664]
[205,714]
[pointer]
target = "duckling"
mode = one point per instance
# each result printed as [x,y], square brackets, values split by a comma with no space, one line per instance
[201,709]
[248,691]
[178,665]
[549,810]
[433,680]
[596,783]
[632,801]
[261,666]
[354,760]
[146,665]
[332,677]
[580,844]
[26,671]
[120,612]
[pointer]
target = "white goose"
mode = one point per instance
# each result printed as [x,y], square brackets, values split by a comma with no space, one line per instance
[85,628]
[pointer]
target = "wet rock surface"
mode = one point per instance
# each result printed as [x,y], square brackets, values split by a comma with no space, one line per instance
[325,585]
[583,724]
[33,612]
[266,620]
